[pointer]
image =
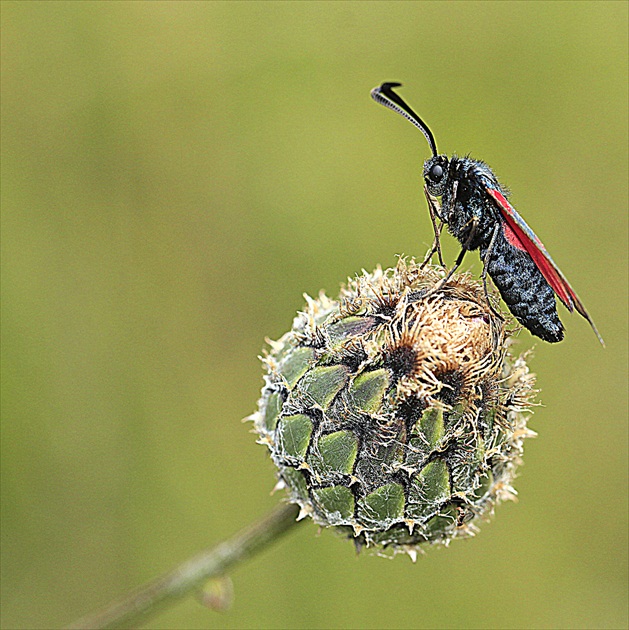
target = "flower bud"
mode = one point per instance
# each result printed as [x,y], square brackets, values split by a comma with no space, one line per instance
[394,414]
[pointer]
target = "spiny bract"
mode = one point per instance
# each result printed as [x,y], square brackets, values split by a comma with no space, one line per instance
[394,414]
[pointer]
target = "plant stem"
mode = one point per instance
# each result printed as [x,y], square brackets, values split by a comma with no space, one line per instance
[154,596]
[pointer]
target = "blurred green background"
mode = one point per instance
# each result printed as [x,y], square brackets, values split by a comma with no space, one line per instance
[175,176]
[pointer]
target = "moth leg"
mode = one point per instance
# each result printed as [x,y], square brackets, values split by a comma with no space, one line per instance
[459,258]
[484,274]
[455,189]
[433,210]
[457,264]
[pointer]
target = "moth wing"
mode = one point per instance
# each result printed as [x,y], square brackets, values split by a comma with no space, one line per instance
[520,235]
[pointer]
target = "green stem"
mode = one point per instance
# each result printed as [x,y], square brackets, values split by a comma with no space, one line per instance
[152,597]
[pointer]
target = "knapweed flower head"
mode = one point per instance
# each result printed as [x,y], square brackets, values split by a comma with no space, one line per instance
[395,413]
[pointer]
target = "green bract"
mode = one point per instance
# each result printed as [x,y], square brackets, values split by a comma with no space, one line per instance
[394,413]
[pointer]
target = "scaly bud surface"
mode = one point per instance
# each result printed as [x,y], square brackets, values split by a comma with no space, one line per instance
[395,413]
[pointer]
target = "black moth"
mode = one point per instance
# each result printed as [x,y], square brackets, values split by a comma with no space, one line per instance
[476,211]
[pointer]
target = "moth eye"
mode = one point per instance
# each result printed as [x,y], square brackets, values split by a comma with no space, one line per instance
[436,173]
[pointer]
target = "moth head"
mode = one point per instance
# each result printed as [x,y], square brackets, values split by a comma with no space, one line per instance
[436,174]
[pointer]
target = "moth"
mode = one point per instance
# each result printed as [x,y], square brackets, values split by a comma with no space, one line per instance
[476,210]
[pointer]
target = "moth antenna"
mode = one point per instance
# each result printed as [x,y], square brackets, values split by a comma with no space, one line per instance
[385,95]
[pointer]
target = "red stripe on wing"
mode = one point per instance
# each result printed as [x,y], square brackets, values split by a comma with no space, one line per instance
[521,236]
[512,237]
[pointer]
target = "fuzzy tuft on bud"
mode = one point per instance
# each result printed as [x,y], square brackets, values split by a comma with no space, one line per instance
[395,413]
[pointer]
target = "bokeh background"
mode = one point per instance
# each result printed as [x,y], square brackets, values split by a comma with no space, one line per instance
[175,176]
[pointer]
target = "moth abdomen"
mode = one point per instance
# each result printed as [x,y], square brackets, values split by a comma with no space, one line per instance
[524,289]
